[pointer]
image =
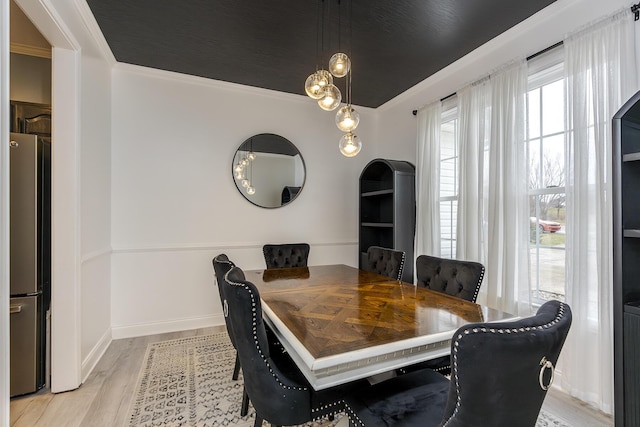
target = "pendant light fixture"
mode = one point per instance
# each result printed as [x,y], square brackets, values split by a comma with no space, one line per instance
[350,145]
[319,85]
[339,64]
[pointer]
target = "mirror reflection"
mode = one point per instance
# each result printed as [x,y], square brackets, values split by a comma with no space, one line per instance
[268,170]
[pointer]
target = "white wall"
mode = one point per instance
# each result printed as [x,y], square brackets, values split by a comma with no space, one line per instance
[95,211]
[175,205]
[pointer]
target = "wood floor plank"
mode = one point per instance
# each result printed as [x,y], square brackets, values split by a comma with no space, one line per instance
[105,397]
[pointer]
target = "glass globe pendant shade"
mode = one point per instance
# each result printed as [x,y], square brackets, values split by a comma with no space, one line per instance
[347,118]
[245,183]
[326,78]
[244,161]
[239,168]
[239,175]
[339,64]
[251,156]
[331,99]
[350,145]
[251,190]
[316,82]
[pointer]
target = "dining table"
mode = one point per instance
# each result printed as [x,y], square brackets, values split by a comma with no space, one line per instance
[339,323]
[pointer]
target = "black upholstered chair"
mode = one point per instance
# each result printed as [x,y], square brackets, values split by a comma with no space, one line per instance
[461,279]
[501,373]
[384,261]
[286,255]
[277,389]
[221,265]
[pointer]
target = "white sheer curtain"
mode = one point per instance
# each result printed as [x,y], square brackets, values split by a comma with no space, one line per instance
[507,266]
[474,113]
[428,181]
[492,225]
[601,76]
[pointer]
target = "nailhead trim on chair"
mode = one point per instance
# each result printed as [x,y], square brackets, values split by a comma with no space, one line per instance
[353,417]
[401,267]
[475,294]
[255,335]
[493,331]
[333,407]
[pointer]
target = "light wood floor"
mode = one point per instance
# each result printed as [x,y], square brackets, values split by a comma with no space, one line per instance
[104,399]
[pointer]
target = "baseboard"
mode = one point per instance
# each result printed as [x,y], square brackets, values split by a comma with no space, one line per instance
[95,355]
[130,331]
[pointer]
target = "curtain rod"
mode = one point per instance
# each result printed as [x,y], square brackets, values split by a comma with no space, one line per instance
[415,112]
[545,50]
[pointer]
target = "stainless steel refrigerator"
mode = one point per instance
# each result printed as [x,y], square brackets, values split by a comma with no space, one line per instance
[30,260]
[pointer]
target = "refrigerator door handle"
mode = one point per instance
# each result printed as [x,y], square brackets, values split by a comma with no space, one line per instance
[15,308]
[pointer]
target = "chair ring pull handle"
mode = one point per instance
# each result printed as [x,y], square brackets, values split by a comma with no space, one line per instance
[225,310]
[544,363]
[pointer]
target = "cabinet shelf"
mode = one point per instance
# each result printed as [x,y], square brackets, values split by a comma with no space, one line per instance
[378,224]
[632,233]
[633,308]
[626,261]
[631,157]
[377,193]
[387,209]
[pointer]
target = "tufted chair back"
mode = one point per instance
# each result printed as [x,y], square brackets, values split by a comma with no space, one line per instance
[515,360]
[221,265]
[286,255]
[461,279]
[384,261]
[277,389]
[500,377]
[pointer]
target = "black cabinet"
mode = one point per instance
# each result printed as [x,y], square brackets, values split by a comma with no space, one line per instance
[626,262]
[388,209]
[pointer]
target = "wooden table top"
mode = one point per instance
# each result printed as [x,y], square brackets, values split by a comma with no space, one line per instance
[336,309]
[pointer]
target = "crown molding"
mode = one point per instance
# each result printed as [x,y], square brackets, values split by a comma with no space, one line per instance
[90,23]
[23,49]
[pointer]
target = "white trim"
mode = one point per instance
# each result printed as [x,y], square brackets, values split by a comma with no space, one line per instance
[216,84]
[89,21]
[49,22]
[66,359]
[211,247]
[23,49]
[4,213]
[94,356]
[95,254]
[143,329]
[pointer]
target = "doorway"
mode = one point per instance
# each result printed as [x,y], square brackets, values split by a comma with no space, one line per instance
[30,206]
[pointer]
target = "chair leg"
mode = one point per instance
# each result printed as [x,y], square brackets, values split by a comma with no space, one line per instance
[245,403]
[236,369]
[258,422]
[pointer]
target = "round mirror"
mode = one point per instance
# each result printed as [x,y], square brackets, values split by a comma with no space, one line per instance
[268,170]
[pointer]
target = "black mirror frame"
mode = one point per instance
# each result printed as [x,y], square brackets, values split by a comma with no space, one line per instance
[293,196]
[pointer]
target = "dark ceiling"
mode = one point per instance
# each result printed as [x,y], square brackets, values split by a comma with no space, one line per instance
[273,44]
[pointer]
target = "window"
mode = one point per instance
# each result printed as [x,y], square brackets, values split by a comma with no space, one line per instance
[545,139]
[545,143]
[448,181]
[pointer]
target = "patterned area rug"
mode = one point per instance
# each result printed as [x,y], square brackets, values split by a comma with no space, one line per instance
[187,382]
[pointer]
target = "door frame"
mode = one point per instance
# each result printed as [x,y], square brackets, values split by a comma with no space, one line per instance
[65,209]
